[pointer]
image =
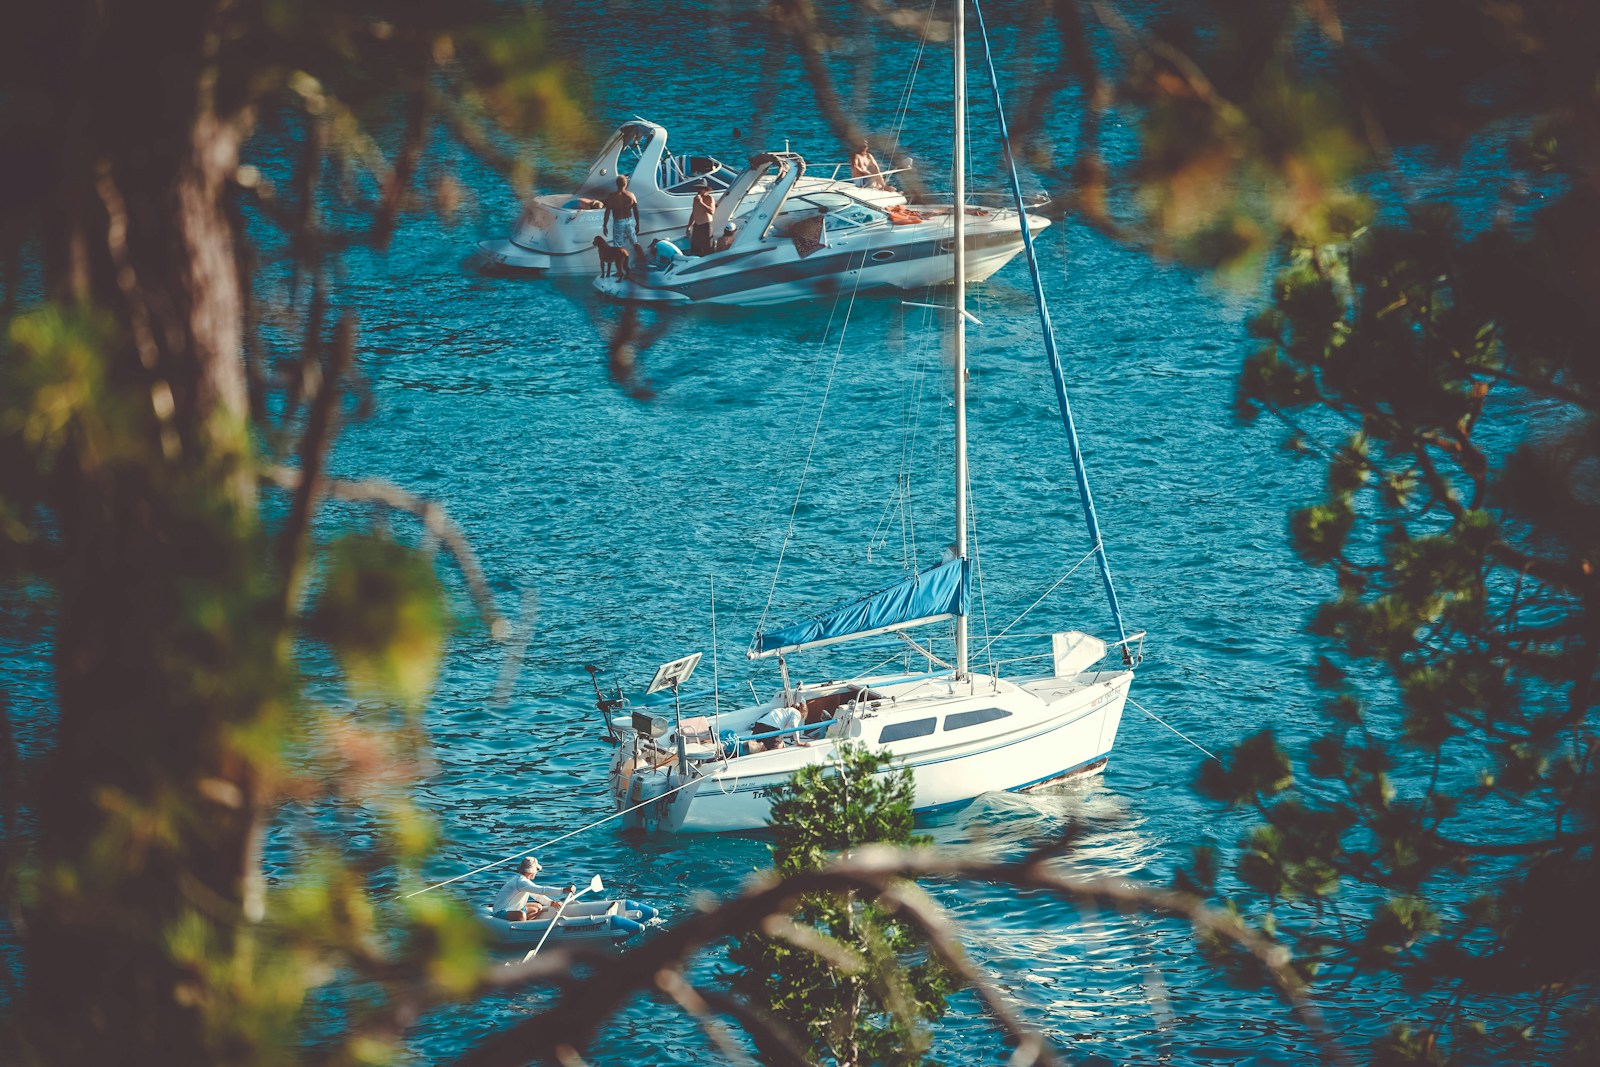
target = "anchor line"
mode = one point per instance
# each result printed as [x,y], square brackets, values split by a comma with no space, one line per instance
[547,844]
[1173,728]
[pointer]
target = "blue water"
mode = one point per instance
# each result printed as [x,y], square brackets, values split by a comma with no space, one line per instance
[615,496]
[618,495]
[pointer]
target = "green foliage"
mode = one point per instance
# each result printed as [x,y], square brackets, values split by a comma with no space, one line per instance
[1463,641]
[869,1000]
[140,412]
[382,609]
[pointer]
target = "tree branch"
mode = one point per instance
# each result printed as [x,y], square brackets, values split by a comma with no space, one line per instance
[434,519]
[872,872]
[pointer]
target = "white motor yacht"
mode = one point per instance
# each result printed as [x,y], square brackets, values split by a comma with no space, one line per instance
[798,241]
[556,231]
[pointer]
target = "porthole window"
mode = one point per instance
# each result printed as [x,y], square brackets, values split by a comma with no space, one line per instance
[900,731]
[959,719]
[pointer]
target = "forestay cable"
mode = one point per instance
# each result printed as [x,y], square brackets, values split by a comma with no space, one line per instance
[1057,375]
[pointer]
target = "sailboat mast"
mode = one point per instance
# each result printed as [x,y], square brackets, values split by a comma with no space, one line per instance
[960,352]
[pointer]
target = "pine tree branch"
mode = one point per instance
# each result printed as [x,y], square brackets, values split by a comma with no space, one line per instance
[871,872]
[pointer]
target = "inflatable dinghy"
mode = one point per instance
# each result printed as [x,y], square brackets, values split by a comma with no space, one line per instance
[598,920]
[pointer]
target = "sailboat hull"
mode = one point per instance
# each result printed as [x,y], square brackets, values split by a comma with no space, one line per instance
[1043,731]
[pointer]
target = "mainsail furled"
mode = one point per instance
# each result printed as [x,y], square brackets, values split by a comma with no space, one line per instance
[934,595]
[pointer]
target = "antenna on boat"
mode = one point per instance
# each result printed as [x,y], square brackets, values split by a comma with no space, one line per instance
[671,676]
[960,343]
[606,704]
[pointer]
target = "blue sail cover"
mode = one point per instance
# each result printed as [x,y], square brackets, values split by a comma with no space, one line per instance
[935,594]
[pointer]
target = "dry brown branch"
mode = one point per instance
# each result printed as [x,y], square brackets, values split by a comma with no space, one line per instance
[321,426]
[687,997]
[914,906]
[774,1041]
[838,955]
[470,130]
[798,19]
[870,872]
[434,519]
[912,21]
[398,180]
[10,788]
[141,319]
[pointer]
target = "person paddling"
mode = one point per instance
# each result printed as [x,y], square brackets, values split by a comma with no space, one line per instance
[512,904]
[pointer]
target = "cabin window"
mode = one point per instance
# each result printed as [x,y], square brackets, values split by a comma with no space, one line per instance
[899,731]
[959,719]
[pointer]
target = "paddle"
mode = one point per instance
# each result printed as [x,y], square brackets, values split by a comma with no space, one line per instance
[594,886]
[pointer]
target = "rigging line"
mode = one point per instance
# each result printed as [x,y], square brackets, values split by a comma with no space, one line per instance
[1057,374]
[908,453]
[547,844]
[911,83]
[1173,728]
[868,672]
[911,432]
[1086,557]
[816,432]
[805,468]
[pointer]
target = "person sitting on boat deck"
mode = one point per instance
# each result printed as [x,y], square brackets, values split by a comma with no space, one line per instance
[622,214]
[779,719]
[700,220]
[863,164]
[663,252]
[729,232]
[521,897]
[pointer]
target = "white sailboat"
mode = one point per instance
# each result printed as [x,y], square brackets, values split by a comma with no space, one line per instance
[960,733]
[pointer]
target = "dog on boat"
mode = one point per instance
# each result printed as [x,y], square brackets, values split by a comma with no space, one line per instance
[613,258]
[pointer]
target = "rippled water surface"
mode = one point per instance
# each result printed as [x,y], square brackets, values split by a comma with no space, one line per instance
[495,396]
[617,498]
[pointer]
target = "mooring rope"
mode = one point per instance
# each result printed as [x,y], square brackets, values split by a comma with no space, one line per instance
[547,844]
[1174,729]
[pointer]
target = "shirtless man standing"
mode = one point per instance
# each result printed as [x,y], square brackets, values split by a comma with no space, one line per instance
[865,165]
[622,214]
[700,220]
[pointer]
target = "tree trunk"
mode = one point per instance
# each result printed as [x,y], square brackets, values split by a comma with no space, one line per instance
[165,657]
